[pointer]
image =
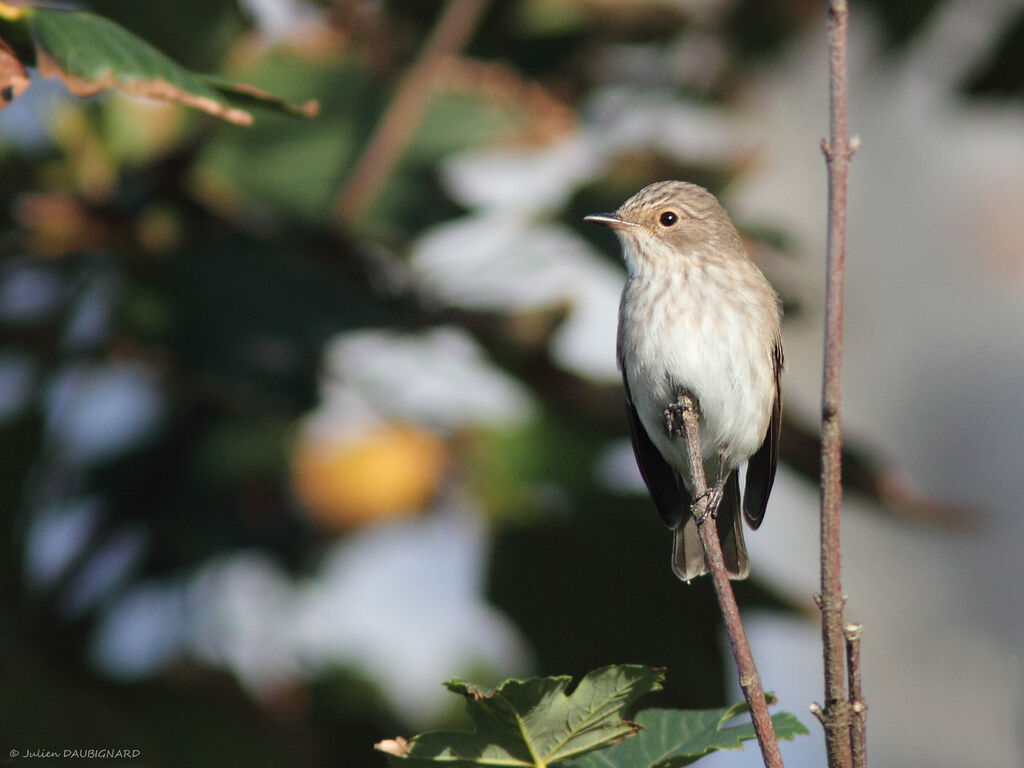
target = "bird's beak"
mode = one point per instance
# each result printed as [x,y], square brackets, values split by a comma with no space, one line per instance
[610,220]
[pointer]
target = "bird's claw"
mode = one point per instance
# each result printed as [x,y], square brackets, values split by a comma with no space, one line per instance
[713,496]
[674,418]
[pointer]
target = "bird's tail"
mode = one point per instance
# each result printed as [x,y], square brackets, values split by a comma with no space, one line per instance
[688,552]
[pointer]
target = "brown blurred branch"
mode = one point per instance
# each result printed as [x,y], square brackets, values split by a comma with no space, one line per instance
[398,125]
[837,716]
[868,472]
[750,680]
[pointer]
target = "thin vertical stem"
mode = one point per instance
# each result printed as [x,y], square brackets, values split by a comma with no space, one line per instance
[858,727]
[750,680]
[836,714]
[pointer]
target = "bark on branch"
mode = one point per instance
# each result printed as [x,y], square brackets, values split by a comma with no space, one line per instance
[844,712]
[749,679]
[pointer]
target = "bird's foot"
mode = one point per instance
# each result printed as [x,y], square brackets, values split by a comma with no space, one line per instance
[676,413]
[712,498]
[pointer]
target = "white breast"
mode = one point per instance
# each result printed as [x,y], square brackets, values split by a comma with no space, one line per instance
[689,334]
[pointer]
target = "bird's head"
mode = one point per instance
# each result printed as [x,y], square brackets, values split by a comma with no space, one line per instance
[669,223]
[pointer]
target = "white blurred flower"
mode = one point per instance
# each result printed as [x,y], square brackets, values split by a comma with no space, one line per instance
[55,536]
[277,19]
[696,59]
[615,469]
[504,262]
[500,261]
[243,613]
[439,377]
[622,119]
[142,631]
[98,411]
[585,342]
[521,179]
[108,570]
[402,603]
[29,292]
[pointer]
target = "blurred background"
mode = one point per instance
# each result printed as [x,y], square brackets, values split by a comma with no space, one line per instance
[298,421]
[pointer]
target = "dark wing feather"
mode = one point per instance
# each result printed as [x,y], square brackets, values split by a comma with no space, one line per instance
[670,496]
[762,465]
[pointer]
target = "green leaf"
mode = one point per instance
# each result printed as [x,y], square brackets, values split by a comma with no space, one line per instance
[670,738]
[244,94]
[533,722]
[92,54]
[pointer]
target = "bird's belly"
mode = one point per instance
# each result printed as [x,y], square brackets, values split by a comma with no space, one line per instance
[726,367]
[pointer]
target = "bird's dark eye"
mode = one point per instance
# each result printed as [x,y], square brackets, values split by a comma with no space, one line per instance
[668,219]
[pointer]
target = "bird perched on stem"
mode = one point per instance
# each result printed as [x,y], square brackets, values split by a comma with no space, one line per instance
[697,317]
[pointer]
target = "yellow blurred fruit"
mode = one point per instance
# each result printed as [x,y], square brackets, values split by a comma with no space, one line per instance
[385,473]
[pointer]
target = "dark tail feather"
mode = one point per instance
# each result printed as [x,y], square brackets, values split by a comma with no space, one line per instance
[688,552]
[730,530]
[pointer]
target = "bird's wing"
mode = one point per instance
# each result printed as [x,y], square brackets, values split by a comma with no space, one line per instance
[670,496]
[762,465]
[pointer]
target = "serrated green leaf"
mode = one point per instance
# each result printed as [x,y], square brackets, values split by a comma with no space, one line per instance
[670,738]
[533,722]
[91,54]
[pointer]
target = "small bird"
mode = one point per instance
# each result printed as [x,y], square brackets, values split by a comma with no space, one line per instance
[697,317]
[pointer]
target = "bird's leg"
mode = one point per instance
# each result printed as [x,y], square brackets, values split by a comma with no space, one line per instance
[713,494]
[676,427]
